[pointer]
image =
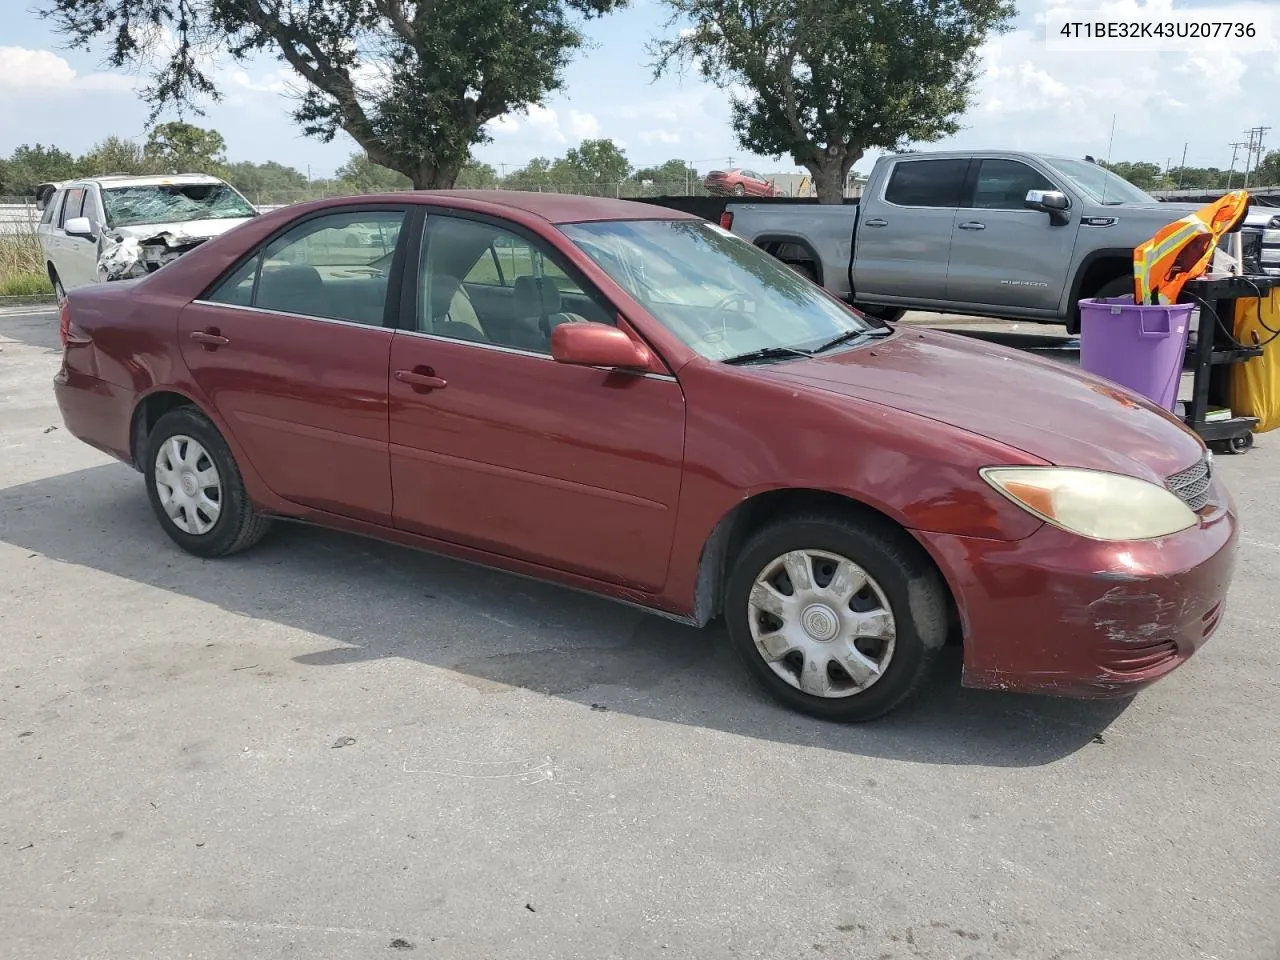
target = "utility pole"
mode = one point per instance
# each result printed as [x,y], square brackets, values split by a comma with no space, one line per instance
[1254,145]
[1182,169]
[1235,147]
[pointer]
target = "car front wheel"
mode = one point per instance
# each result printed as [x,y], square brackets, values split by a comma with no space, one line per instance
[196,489]
[837,618]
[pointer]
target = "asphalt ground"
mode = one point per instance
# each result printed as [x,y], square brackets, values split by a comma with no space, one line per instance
[328,747]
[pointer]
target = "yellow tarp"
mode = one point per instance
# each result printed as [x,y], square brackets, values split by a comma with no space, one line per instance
[1255,384]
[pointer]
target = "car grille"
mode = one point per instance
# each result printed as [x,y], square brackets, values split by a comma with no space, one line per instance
[1191,486]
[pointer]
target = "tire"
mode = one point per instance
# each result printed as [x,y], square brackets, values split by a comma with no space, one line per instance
[900,582]
[886,314]
[1112,288]
[184,443]
[59,291]
[739,190]
[805,270]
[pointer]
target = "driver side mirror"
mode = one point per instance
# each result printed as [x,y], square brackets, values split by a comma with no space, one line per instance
[1053,202]
[597,345]
[79,227]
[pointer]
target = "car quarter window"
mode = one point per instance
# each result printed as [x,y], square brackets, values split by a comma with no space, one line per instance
[51,208]
[927,183]
[486,284]
[72,206]
[1003,184]
[332,267]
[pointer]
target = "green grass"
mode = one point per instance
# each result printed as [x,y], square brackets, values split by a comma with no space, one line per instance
[22,272]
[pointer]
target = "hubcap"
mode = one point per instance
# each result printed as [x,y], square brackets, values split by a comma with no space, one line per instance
[821,623]
[188,484]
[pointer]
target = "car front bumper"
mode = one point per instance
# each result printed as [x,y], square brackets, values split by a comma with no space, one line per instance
[1059,614]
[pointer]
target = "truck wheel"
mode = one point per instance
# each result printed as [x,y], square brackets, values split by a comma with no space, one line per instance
[805,270]
[887,314]
[836,618]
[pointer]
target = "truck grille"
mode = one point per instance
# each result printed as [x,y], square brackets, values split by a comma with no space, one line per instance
[1191,486]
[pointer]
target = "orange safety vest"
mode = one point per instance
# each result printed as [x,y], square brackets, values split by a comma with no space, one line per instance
[1182,250]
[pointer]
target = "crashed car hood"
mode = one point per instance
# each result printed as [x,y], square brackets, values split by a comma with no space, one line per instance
[179,233]
[1039,406]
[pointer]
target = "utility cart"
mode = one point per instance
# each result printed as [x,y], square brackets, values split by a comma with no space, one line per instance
[1214,352]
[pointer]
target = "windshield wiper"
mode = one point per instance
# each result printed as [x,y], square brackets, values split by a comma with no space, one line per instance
[850,335]
[765,353]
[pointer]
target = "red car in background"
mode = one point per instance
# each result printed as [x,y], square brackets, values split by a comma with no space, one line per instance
[739,183]
[629,400]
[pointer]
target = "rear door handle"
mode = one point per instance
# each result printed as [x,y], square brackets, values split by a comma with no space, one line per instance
[876,222]
[210,338]
[422,379]
[973,225]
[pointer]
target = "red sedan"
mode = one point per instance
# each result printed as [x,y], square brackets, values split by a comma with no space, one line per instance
[628,400]
[739,183]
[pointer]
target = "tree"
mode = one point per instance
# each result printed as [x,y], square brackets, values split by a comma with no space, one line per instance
[594,166]
[672,175]
[477,176]
[179,147]
[413,82]
[1144,176]
[1268,171]
[268,182]
[829,79]
[114,155]
[361,175]
[28,167]
[534,176]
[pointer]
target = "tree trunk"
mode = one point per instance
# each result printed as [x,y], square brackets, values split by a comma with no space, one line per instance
[433,177]
[828,181]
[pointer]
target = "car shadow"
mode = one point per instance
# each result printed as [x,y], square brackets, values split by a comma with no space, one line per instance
[35,326]
[497,632]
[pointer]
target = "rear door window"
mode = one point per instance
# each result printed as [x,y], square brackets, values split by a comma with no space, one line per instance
[927,183]
[73,205]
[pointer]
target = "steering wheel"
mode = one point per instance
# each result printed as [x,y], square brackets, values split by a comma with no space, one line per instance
[720,313]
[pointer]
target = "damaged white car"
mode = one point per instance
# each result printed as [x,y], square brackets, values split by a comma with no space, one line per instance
[119,227]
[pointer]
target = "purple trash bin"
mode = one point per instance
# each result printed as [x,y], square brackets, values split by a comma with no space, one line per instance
[1136,346]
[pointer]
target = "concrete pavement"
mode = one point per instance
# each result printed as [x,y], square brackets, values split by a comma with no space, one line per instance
[329,747]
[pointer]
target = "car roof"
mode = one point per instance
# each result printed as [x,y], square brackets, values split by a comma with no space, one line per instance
[552,207]
[130,180]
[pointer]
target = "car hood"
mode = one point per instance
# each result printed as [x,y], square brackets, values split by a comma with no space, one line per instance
[1039,406]
[177,234]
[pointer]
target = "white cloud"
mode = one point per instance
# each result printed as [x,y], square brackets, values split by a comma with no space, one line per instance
[43,71]
[583,126]
[659,136]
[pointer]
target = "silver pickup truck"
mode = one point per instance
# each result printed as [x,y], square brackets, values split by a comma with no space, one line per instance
[990,233]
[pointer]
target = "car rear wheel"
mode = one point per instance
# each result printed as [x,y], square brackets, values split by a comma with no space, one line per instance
[196,489]
[837,619]
[59,291]
[739,190]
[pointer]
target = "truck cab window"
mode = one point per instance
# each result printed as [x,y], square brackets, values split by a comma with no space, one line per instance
[1003,184]
[926,183]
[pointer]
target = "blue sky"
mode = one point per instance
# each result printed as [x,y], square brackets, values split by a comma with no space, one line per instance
[1029,98]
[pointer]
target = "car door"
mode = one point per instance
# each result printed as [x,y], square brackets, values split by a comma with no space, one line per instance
[291,348]
[1003,254]
[496,446]
[904,234]
[47,229]
[77,260]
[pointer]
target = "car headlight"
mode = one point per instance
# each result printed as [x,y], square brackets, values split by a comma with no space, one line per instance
[1093,504]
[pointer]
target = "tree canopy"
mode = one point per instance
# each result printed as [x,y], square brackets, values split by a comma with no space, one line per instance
[413,82]
[823,81]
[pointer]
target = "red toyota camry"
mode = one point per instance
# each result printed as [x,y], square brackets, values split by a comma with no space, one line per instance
[624,399]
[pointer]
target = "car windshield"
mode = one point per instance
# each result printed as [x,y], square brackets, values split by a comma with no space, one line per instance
[718,293]
[1099,183]
[173,203]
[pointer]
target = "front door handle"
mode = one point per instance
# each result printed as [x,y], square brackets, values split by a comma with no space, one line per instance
[973,225]
[876,222]
[422,379]
[210,339]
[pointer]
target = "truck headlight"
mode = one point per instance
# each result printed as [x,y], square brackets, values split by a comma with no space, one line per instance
[1092,503]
